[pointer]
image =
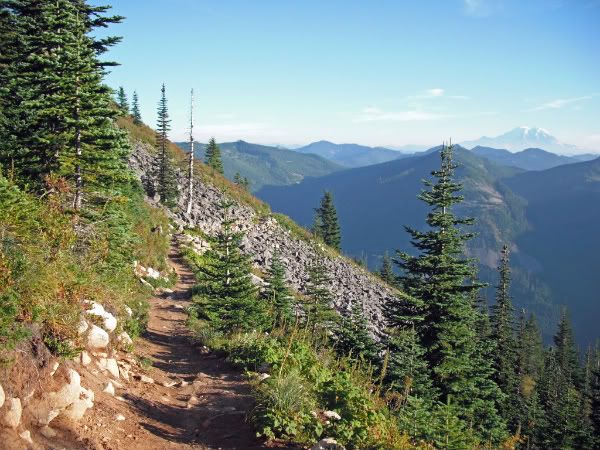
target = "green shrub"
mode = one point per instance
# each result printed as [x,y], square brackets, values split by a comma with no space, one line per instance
[251,350]
[359,413]
[285,408]
[61,348]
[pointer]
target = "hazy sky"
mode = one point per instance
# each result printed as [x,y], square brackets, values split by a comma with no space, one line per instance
[375,72]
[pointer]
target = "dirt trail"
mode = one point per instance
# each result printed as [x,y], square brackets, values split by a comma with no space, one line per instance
[207,411]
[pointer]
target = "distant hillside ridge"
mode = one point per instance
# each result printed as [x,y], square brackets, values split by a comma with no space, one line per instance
[266,165]
[351,155]
[530,158]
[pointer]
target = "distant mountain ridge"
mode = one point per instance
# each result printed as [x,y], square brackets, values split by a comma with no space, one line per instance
[530,158]
[351,155]
[521,138]
[266,165]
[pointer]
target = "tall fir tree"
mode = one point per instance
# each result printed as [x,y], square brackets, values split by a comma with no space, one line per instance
[122,100]
[225,294]
[135,109]
[503,335]
[329,228]
[530,363]
[561,427]
[594,394]
[566,355]
[276,293]
[441,282]
[165,170]
[407,371]
[319,313]
[64,121]
[352,337]
[387,271]
[213,156]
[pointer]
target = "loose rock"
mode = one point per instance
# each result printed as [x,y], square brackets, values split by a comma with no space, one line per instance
[12,416]
[97,338]
[109,389]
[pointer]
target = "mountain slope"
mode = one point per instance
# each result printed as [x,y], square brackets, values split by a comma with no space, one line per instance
[372,199]
[375,202]
[265,165]
[524,137]
[528,159]
[564,213]
[351,155]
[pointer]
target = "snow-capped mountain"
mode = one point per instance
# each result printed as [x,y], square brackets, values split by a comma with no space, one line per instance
[525,137]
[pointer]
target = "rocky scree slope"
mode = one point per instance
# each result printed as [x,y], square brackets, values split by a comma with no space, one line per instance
[263,234]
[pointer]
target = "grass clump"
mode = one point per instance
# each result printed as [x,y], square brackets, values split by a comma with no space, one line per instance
[52,261]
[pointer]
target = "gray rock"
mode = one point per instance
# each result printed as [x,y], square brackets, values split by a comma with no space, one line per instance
[264,234]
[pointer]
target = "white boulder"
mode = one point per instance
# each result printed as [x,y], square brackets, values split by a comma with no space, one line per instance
[112,367]
[97,338]
[124,339]
[332,415]
[85,358]
[48,432]
[109,321]
[152,273]
[26,436]
[109,389]
[55,367]
[12,416]
[327,444]
[82,327]
[77,409]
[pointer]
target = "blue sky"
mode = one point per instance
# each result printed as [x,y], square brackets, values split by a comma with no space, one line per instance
[375,72]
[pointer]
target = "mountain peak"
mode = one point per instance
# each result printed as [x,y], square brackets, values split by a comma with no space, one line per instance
[524,137]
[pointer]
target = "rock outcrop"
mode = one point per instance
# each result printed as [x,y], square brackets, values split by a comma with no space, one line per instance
[264,234]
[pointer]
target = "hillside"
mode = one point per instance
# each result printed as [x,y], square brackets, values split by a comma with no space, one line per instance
[351,155]
[375,202]
[529,159]
[265,165]
[563,212]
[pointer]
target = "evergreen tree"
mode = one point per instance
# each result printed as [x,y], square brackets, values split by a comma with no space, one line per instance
[329,228]
[64,121]
[135,109]
[530,362]
[440,282]
[122,101]
[225,295]
[277,292]
[594,394]
[531,350]
[387,272]
[407,371]
[561,428]
[165,171]
[352,337]
[319,314]
[213,156]
[503,335]
[241,181]
[567,356]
